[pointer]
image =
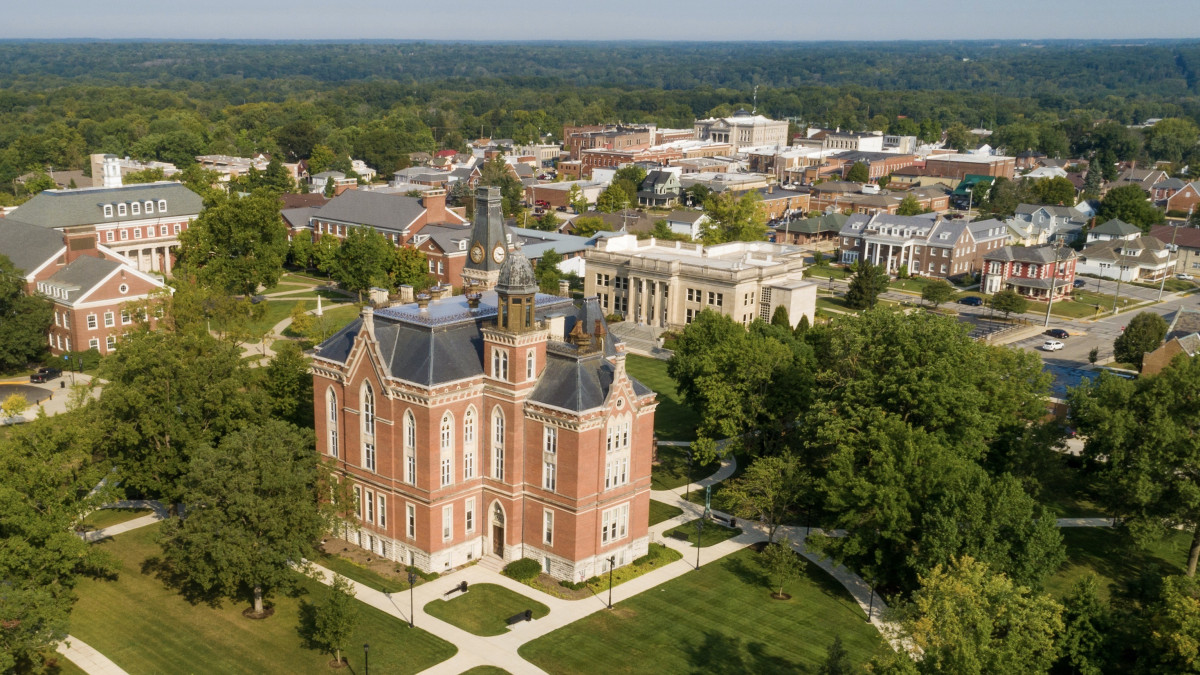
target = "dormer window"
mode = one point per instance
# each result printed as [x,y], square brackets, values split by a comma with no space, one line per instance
[162,206]
[462,244]
[108,211]
[135,209]
[149,206]
[120,209]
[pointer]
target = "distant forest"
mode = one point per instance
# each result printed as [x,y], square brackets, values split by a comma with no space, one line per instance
[60,101]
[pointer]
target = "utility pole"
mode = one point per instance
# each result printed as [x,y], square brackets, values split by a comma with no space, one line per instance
[1171,249]
[1053,279]
[1120,271]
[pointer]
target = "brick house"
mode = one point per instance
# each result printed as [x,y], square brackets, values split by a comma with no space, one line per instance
[928,247]
[1033,271]
[397,217]
[96,293]
[496,424]
[1185,198]
[960,166]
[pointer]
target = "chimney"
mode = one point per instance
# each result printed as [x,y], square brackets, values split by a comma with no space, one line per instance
[441,291]
[579,338]
[564,288]
[473,300]
[368,319]
[80,244]
[406,293]
[771,188]
[423,301]
[434,202]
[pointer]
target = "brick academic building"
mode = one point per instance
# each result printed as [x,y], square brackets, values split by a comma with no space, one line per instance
[497,423]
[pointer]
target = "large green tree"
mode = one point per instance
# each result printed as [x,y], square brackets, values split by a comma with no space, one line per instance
[252,512]
[769,491]
[868,282]
[363,260]
[909,206]
[1141,436]
[495,172]
[237,244]
[1131,204]
[1143,334]
[24,320]
[858,173]
[733,218]
[288,385]
[1056,191]
[1009,302]
[937,291]
[409,266]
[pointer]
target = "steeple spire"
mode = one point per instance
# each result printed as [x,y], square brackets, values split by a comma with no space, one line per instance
[489,239]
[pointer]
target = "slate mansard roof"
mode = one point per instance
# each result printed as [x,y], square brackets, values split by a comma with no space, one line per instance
[444,344]
[85,206]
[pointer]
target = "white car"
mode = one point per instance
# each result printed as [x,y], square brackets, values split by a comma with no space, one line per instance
[1185,277]
[1051,346]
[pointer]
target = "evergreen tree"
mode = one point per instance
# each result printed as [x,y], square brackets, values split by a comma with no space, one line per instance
[1144,334]
[868,282]
[780,317]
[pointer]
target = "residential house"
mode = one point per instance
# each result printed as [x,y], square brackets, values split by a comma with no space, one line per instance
[1183,337]
[775,202]
[809,230]
[96,294]
[1143,178]
[1113,230]
[660,188]
[688,223]
[1036,272]
[1185,199]
[1139,258]
[1163,189]
[1185,242]
[1039,224]
[396,217]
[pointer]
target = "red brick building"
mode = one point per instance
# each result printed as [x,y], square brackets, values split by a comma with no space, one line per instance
[97,294]
[497,423]
[397,217]
[1033,271]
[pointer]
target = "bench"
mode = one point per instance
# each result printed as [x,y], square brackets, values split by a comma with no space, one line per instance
[527,615]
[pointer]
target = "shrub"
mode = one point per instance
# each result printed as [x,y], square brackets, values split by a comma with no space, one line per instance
[573,585]
[525,569]
[427,576]
[91,360]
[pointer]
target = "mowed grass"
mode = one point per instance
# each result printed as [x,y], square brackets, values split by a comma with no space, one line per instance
[98,520]
[674,469]
[718,619]
[660,512]
[485,670]
[484,609]
[361,574]
[146,627]
[1069,492]
[713,533]
[673,419]
[1114,558]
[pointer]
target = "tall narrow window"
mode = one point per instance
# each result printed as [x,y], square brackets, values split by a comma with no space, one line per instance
[549,475]
[469,508]
[447,522]
[447,449]
[530,363]
[369,503]
[498,444]
[548,527]
[410,448]
[550,439]
[382,511]
[500,364]
[332,424]
[410,525]
[358,501]
[469,444]
[368,423]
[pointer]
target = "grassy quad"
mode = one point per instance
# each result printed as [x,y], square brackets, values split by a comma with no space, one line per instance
[721,614]
[713,533]
[674,470]
[485,670]
[673,420]
[146,627]
[660,512]
[1115,559]
[484,609]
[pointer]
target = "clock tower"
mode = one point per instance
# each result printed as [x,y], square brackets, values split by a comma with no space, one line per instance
[489,240]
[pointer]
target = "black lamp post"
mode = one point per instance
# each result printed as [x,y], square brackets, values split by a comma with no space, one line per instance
[871,607]
[366,661]
[412,581]
[699,534]
[612,562]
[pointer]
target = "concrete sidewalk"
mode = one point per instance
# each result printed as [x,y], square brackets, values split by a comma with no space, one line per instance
[89,660]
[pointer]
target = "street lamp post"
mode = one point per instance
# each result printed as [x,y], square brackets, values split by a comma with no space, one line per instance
[412,581]
[871,606]
[366,660]
[612,562]
[1120,273]
[699,534]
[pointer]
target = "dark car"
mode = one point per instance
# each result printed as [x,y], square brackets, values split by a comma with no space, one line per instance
[972,300]
[1080,283]
[1058,333]
[45,374]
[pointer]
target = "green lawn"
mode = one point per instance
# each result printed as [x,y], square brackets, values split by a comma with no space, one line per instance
[1115,559]
[484,609]
[361,574]
[673,420]
[1069,492]
[103,518]
[145,627]
[64,666]
[657,557]
[719,619]
[673,468]
[824,272]
[486,670]
[713,533]
[660,512]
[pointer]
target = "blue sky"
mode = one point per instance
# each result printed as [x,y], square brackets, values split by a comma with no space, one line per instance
[609,20]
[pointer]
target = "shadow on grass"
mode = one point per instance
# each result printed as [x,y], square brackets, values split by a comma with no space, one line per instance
[727,655]
[196,594]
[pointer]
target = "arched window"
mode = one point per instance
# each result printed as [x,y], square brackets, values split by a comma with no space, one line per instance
[447,432]
[500,364]
[469,443]
[447,447]
[498,444]
[332,424]
[410,448]
[368,422]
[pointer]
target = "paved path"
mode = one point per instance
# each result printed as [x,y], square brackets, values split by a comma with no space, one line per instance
[89,660]
[160,513]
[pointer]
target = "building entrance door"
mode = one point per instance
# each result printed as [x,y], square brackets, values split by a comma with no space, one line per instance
[498,540]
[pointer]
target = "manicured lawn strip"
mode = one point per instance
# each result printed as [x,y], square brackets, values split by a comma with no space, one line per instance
[361,574]
[276,311]
[673,419]
[1114,558]
[713,533]
[64,666]
[718,616]
[485,670]
[672,469]
[658,556]
[660,512]
[145,627]
[484,609]
[825,272]
[98,520]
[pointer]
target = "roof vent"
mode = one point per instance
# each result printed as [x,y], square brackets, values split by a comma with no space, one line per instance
[423,301]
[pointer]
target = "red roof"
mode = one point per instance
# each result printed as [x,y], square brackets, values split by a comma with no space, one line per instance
[1187,237]
[445,153]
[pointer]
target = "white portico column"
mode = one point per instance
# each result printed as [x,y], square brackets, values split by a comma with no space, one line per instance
[660,306]
[633,299]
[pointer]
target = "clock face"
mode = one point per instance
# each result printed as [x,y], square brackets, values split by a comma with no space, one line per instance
[477,253]
[498,254]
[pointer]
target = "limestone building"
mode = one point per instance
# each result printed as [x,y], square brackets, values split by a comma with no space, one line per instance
[743,130]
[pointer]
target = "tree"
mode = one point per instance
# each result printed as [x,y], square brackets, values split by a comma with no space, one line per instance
[1131,204]
[547,222]
[330,190]
[298,139]
[1175,625]
[697,194]
[1092,181]
[1144,333]
[768,491]
[144,176]
[275,178]
[837,660]
[782,563]
[1140,437]
[1009,301]
[252,511]
[24,320]
[868,282]
[363,260]
[325,250]
[409,267]
[1085,627]
[288,385]
[336,617]
[909,206]
[1170,139]
[969,620]
[547,272]
[858,173]
[732,218]
[39,182]
[495,172]
[576,199]
[937,291]
[1056,191]
[14,405]
[612,199]
[588,226]
[780,317]
[237,244]
[301,251]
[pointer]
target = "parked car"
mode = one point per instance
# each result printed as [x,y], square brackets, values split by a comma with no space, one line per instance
[972,300]
[1051,346]
[1185,277]
[45,374]
[1058,333]
[1080,283]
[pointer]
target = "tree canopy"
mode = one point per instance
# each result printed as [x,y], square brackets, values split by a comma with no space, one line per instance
[868,282]
[733,218]
[24,320]
[237,244]
[1131,204]
[1143,334]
